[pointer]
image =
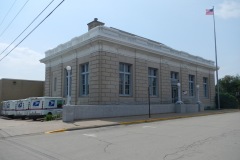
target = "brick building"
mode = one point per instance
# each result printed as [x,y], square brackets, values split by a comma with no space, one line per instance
[110,66]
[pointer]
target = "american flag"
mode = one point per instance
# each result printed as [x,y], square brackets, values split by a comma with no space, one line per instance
[209,11]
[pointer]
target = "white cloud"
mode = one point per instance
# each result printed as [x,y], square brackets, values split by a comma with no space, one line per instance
[21,63]
[228,9]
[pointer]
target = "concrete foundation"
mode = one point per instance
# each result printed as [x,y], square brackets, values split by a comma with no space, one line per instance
[200,107]
[186,108]
[68,113]
[77,112]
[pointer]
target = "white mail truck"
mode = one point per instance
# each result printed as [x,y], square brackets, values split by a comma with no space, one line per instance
[41,106]
[4,107]
[22,108]
[10,108]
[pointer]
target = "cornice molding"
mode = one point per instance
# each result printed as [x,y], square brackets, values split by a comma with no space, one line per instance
[126,39]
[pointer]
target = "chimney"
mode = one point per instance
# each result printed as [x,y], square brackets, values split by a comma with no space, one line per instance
[94,24]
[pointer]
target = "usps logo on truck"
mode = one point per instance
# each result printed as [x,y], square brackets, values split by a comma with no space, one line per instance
[36,103]
[51,103]
[20,105]
[8,105]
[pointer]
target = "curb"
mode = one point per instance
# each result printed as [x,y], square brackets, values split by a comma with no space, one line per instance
[81,128]
[90,127]
[136,122]
[55,131]
[171,118]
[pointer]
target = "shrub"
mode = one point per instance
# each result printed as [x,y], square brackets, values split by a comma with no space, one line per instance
[50,117]
[227,101]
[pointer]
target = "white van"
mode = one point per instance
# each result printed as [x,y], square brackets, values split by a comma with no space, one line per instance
[41,106]
[5,105]
[22,108]
[10,108]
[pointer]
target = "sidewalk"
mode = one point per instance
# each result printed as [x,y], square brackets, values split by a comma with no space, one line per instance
[17,127]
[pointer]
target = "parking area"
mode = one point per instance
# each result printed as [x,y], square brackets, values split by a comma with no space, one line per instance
[15,127]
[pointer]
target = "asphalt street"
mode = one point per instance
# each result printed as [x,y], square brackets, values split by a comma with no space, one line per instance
[213,137]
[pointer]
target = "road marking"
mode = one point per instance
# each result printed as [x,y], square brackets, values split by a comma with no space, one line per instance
[90,135]
[149,127]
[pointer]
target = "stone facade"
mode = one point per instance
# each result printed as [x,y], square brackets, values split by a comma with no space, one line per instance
[103,49]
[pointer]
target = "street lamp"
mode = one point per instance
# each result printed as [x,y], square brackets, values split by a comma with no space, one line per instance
[68,68]
[179,94]
[198,100]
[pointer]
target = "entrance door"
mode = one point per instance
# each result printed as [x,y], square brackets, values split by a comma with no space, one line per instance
[174,93]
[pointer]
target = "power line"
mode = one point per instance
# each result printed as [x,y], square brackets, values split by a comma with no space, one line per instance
[27,27]
[32,30]
[14,18]
[8,12]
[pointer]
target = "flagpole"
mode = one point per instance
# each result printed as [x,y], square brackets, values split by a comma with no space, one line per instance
[216,59]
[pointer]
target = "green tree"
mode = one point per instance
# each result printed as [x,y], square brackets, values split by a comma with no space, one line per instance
[230,85]
[227,101]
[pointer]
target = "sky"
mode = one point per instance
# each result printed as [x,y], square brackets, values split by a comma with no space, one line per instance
[181,25]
